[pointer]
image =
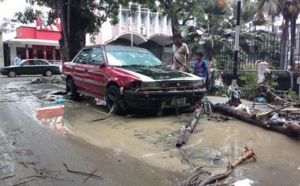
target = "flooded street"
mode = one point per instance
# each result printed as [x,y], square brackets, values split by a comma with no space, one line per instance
[150,140]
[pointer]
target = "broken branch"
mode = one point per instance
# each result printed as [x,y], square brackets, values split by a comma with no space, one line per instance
[83,173]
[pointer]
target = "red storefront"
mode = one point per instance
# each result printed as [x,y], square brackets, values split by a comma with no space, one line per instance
[40,41]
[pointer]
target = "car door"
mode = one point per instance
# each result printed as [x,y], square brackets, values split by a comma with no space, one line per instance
[25,68]
[36,67]
[40,66]
[79,67]
[96,80]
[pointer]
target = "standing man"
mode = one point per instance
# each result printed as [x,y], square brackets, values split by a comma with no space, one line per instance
[201,68]
[180,53]
[17,60]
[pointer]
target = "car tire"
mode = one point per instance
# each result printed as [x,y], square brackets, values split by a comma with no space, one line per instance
[113,96]
[48,73]
[71,90]
[12,73]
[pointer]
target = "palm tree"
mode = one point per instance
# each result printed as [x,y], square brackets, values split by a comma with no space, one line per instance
[290,10]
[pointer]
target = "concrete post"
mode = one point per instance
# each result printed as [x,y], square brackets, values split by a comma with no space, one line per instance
[261,69]
[298,82]
[1,50]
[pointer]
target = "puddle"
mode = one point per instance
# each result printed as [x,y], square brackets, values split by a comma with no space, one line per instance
[152,139]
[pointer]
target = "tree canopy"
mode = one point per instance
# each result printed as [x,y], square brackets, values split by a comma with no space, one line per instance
[78,18]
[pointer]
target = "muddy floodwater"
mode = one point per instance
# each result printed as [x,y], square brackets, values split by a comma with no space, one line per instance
[152,139]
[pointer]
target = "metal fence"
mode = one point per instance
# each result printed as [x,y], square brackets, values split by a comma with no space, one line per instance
[285,78]
[265,47]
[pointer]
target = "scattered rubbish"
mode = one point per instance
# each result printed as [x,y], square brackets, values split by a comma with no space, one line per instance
[260,100]
[55,97]
[170,135]
[40,80]
[55,79]
[197,177]
[100,101]
[275,117]
[245,182]
[299,168]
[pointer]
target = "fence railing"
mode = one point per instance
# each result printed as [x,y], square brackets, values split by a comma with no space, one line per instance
[282,87]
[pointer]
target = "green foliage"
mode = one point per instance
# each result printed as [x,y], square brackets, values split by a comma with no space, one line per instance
[290,96]
[78,18]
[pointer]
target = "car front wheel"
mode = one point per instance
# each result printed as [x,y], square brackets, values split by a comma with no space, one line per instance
[114,100]
[48,73]
[71,90]
[12,73]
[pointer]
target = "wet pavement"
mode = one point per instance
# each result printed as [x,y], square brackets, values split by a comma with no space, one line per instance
[151,139]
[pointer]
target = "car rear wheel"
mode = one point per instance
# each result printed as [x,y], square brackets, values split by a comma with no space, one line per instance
[12,73]
[48,73]
[71,90]
[114,100]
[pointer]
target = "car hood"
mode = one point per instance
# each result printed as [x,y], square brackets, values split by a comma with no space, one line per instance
[11,66]
[158,73]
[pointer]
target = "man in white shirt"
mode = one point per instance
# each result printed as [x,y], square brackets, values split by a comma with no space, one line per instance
[17,60]
[180,52]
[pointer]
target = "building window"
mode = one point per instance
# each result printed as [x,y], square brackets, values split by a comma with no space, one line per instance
[124,17]
[168,21]
[143,19]
[159,20]
[151,20]
[133,18]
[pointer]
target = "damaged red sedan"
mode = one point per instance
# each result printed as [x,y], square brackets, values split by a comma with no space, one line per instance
[129,78]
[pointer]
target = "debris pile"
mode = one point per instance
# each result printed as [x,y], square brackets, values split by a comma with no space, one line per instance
[55,97]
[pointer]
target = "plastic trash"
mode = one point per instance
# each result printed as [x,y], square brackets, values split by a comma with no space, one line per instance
[275,116]
[260,100]
[182,129]
[245,182]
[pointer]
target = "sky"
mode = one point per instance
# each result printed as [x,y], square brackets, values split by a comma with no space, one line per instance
[8,8]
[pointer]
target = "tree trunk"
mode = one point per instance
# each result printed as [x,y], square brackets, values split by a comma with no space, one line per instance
[263,122]
[293,41]
[74,26]
[189,128]
[284,38]
[64,40]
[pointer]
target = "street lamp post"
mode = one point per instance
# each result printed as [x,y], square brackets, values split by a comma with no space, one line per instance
[236,42]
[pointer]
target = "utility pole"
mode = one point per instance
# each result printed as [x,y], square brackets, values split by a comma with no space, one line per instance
[236,42]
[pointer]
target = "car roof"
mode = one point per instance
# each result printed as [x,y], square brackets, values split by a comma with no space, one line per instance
[110,47]
[34,59]
[124,48]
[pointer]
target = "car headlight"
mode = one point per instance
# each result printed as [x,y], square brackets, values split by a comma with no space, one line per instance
[141,84]
[135,84]
[149,84]
[198,84]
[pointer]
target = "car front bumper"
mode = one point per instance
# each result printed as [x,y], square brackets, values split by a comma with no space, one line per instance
[142,99]
[4,72]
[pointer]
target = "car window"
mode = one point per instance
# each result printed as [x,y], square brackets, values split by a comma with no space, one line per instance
[122,58]
[83,56]
[97,56]
[26,63]
[42,62]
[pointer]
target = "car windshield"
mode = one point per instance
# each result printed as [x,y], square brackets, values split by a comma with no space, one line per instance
[132,58]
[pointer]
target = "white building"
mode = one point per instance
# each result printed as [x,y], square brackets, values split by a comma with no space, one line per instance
[143,28]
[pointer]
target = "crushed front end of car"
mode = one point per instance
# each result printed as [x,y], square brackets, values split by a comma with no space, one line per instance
[164,94]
